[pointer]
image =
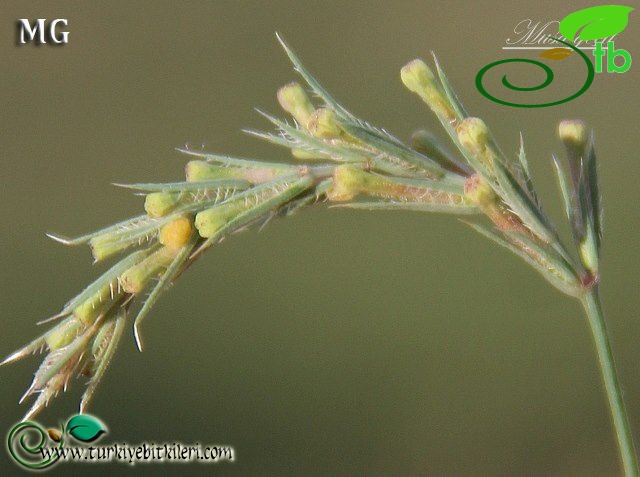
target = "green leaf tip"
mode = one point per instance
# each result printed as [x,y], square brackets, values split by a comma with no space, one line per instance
[85,427]
[596,22]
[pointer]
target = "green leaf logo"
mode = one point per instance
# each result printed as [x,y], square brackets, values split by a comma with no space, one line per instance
[85,427]
[596,22]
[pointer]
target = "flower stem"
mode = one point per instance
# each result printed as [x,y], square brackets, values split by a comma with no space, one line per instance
[593,309]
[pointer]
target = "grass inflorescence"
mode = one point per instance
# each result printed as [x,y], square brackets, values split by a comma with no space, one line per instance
[347,162]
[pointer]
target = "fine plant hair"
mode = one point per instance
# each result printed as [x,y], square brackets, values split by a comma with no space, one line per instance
[344,161]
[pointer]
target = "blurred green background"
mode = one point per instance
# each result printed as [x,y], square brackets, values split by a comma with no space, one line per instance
[335,342]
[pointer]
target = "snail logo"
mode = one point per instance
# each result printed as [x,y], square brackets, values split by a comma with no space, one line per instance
[593,23]
[28,440]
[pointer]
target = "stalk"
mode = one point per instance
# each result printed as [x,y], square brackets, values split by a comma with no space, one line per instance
[593,309]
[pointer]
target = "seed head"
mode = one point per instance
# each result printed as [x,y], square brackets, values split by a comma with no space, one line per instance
[90,309]
[159,204]
[573,131]
[137,277]
[419,79]
[177,233]
[62,334]
[347,183]
[209,221]
[199,171]
[294,100]
[323,124]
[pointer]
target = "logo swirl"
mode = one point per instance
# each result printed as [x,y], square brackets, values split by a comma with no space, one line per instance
[544,84]
[27,452]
